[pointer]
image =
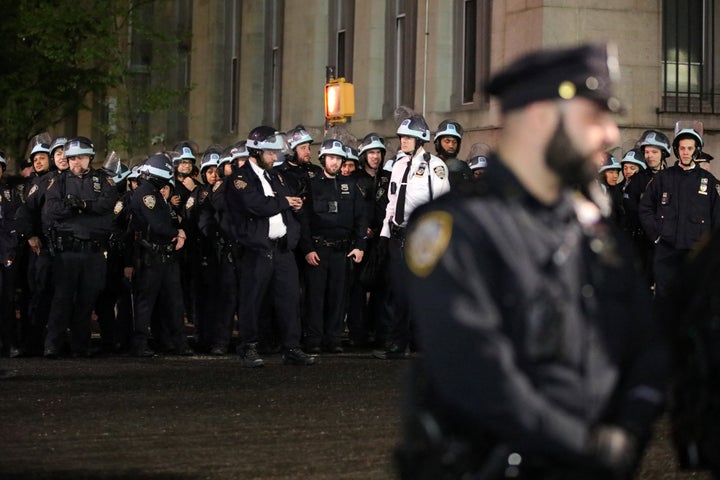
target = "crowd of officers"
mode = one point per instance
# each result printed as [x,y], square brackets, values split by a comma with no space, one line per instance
[665,210]
[253,238]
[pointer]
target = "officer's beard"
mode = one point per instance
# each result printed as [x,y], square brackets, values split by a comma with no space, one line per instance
[562,157]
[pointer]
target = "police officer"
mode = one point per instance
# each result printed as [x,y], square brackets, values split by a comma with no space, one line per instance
[448,140]
[477,165]
[335,231]
[691,315]
[227,250]
[34,231]
[351,162]
[11,329]
[79,208]
[678,207]
[57,153]
[633,167]
[611,184]
[113,308]
[367,290]
[200,224]
[655,148]
[298,169]
[417,178]
[157,273]
[540,357]
[185,184]
[260,206]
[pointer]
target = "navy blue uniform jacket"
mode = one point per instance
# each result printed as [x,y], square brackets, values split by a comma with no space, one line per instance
[250,209]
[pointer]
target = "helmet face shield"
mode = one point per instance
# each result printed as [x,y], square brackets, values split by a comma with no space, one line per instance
[449,128]
[476,163]
[79,146]
[333,147]
[370,142]
[298,136]
[274,142]
[415,127]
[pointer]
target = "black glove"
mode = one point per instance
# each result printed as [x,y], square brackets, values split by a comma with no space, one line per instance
[613,448]
[382,248]
[73,201]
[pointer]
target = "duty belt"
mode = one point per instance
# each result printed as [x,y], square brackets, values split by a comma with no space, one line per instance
[278,243]
[160,248]
[340,244]
[78,245]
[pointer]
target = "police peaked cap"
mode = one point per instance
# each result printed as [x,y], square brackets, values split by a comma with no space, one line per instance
[587,71]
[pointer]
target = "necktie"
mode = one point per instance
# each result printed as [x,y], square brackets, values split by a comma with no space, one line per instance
[269,179]
[400,203]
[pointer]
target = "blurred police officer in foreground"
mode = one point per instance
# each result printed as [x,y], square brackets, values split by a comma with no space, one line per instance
[540,358]
[691,315]
[157,272]
[680,205]
[79,207]
[260,206]
[335,231]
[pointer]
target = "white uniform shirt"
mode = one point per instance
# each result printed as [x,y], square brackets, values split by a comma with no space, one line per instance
[422,177]
[277,228]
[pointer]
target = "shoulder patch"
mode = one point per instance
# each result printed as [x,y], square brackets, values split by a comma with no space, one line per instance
[190,202]
[440,171]
[50,184]
[149,201]
[110,181]
[239,184]
[118,207]
[717,188]
[33,189]
[427,241]
[217,185]
[203,196]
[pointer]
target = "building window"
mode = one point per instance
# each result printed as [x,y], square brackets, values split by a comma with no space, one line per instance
[341,30]
[273,64]
[689,67]
[232,60]
[401,28]
[472,38]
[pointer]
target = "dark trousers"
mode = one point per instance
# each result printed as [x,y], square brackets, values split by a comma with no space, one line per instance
[397,319]
[114,328]
[40,285]
[366,308]
[189,261]
[10,327]
[667,264]
[158,289]
[325,301]
[226,301]
[274,272]
[78,277]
